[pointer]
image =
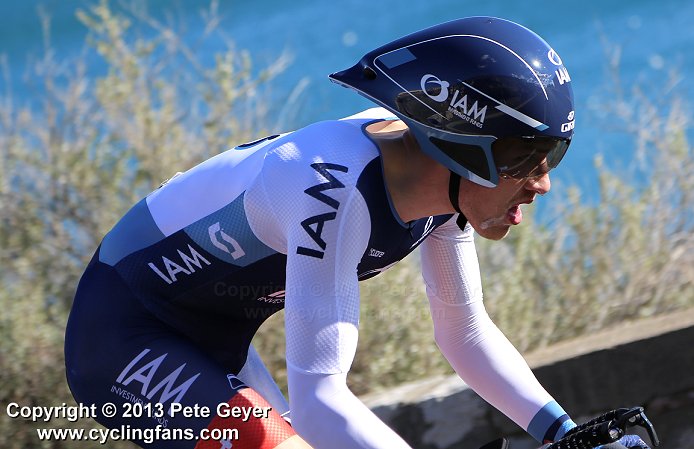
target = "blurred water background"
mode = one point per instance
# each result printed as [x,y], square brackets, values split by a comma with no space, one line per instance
[649,41]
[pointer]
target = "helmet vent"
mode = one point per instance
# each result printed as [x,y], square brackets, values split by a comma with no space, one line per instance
[369,73]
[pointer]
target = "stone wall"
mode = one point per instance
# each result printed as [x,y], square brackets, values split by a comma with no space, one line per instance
[648,363]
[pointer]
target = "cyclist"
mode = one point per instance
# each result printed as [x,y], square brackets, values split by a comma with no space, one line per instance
[472,116]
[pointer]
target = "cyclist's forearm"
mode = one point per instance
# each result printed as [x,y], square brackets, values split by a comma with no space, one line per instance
[328,416]
[485,359]
[256,375]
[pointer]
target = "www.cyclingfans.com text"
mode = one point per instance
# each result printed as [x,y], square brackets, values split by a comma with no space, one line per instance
[75,413]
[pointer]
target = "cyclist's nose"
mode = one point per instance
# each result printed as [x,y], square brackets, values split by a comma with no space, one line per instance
[539,184]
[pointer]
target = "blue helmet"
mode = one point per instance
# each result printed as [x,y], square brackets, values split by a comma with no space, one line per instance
[483,96]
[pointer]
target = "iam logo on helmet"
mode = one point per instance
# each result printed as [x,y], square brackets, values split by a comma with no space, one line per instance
[458,105]
[561,72]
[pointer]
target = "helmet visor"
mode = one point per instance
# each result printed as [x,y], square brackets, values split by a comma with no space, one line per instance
[527,157]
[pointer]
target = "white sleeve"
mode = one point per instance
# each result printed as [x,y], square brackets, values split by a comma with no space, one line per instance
[477,350]
[331,417]
[254,373]
[321,319]
[324,236]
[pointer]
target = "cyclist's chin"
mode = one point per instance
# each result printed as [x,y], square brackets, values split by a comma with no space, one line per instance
[497,232]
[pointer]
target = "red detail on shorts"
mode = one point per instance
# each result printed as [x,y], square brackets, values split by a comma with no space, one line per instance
[255,433]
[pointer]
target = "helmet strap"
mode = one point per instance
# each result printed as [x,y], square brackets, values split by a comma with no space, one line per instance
[453,193]
[454,190]
[453,196]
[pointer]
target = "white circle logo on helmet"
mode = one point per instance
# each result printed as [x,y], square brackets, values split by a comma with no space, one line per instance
[554,57]
[443,86]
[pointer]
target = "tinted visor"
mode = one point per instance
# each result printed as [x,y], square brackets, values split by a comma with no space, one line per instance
[526,157]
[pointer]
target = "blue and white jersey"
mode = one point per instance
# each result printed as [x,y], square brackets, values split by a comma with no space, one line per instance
[295,221]
[311,205]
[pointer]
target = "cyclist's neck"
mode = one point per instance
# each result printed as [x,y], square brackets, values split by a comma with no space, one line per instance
[418,185]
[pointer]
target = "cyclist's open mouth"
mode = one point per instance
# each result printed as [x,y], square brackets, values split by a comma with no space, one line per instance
[515,215]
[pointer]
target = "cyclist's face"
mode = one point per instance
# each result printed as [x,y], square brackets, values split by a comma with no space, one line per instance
[492,212]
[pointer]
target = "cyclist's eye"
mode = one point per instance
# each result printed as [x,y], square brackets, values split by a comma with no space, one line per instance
[520,157]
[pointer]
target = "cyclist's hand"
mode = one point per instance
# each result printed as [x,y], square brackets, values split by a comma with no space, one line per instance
[628,441]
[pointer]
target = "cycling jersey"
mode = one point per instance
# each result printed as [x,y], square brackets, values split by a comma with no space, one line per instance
[182,282]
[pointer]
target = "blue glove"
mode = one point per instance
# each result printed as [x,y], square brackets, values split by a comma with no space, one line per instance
[628,441]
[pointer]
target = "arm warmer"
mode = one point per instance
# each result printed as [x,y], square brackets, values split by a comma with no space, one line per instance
[476,349]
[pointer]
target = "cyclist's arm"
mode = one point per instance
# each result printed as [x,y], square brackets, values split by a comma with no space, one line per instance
[330,416]
[255,374]
[321,320]
[477,350]
[321,222]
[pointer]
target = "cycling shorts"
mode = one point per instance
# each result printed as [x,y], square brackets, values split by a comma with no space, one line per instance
[118,352]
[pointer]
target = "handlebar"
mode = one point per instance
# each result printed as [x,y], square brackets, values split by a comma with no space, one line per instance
[606,429]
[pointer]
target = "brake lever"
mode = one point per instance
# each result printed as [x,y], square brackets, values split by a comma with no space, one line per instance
[637,417]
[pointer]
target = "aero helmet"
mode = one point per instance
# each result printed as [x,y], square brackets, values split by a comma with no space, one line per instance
[483,96]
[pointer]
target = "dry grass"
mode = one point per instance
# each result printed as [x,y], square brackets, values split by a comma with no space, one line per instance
[96,144]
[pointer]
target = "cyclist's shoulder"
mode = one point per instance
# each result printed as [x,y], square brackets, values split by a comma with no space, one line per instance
[340,144]
[356,120]
[342,131]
